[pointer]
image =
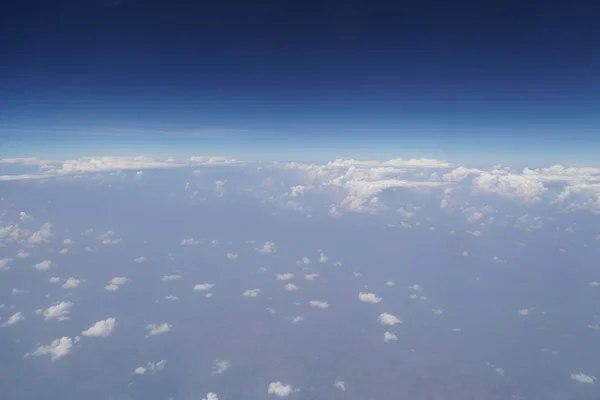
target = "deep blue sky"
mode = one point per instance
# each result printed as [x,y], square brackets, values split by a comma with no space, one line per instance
[503,80]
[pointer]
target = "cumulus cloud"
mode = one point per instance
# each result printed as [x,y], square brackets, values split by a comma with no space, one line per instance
[40,236]
[369,298]
[22,254]
[204,286]
[251,292]
[115,283]
[64,251]
[416,288]
[139,259]
[388,336]
[151,368]
[157,329]
[583,378]
[340,385]
[388,319]
[57,349]
[305,260]
[170,297]
[290,287]
[311,277]
[279,389]
[318,304]
[220,366]
[68,242]
[16,291]
[268,247]
[297,320]
[59,311]
[232,256]
[189,242]
[13,319]
[71,283]
[284,277]
[4,264]
[323,258]
[43,265]
[211,396]
[170,277]
[102,328]
[389,283]
[522,188]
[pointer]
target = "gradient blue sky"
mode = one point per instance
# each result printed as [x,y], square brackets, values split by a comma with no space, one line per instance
[481,82]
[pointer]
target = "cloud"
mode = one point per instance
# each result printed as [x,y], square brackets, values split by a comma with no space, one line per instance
[57,349]
[71,283]
[499,371]
[583,378]
[68,242]
[368,298]
[311,277]
[211,396]
[115,283]
[290,287]
[220,366]
[157,329]
[388,319]
[139,259]
[189,242]
[416,288]
[284,277]
[151,368]
[279,389]
[22,254]
[169,297]
[389,283]
[474,233]
[318,304]
[521,188]
[305,260]
[387,336]
[340,385]
[4,264]
[297,320]
[251,292]
[40,236]
[323,258]
[204,286]
[13,319]
[16,291]
[594,284]
[269,247]
[102,328]
[170,277]
[437,311]
[59,311]
[232,256]
[465,254]
[43,265]
[524,312]
[64,251]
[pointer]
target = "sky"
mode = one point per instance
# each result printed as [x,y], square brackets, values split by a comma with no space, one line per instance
[506,82]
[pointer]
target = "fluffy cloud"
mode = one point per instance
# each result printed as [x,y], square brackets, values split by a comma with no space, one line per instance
[59,311]
[22,254]
[388,336]
[279,389]
[157,329]
[211,396]
[16,291]
[583,378]
[389,283]
[388,319]
[323,258]
[297,320]
[284,277]
[305,260]
[220,366]
[64,251]
[139,259]
[151,368]
[68,242]
[13,319]
[170,277]
[4,264]
[43,265]
[204,286]
[318,304]
[368,298]
[189,242]
[311,277]
[268,247]
[290,287]
[40,236]
[251,292]
[340,385]
[57,349]
[232,256]
[522,188]
[416,288]
[115,283]
[169,297]
[101,328]
[71,283]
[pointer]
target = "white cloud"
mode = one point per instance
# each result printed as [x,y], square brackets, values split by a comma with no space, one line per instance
[189,242]
[220,366]
[500,371]
[139,259]
[115,283]
[416,288]
[594,284]
[269,247]
[59,311]
[498,260]
[465,254]
[64,251]
[340,385]
[524,312]
[389,283]
[437,311]
[475,233]
[102,328]
[68,242]
[170,277]
[251,292]
[151,368]
[388,336]
[318,304]
[16,291]
[4,264]
[290,287]
[305,260]
[337,264]
[388,319]
[284,277]
[13,319]
[169,297]
[232,256]
[71,283]
[40,236]
[311,277]
[369,298]
[204,286]
[43,265]
[157,329]
[57,349]
[211,396]
[279,389]
[22,254]
[583,378]
[297,320]
[220,188]
[323,258]
[522,188]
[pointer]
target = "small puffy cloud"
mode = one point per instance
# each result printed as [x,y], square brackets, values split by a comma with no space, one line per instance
[54,279]
[416,288]
[388,319]
[524,312]
[389,283]
[500,371]
[64,251]
[583,378]
[311,277]
[57,349]
[68,242]
[4,264]
[214,242]
[369,298]
[190,242]
[498,260]
[465,254]
[40,236]
[323,258]
[59,311]
[388,336]
[475,233]
[269,247]
[157,329]
[169,297]
[111,242]
[16,291]
[24,216]
[115,283]
[170,277]
[211,396]
[290,287]
[22,254]
[251,292]
[220,188]
[279,389]
[523,188]
[437,311]
[340,385]
[318,304]
[13,319]
[285,277]
[71,283]
[305,260]
[102,328]
[220,366]
[202,287]
[232,256]
[151,368]
[139,259]
[297,320]
[43,265]
[594,284]
[337,264]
